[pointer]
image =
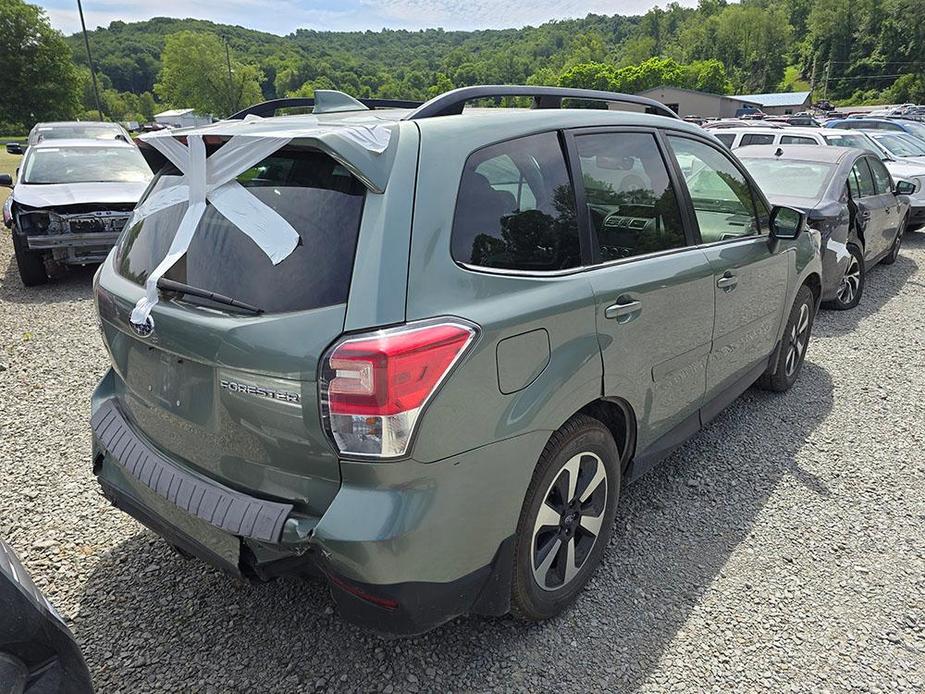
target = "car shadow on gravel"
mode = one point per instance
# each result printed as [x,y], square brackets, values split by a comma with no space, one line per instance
[75,283]
[149,619]
[883,282]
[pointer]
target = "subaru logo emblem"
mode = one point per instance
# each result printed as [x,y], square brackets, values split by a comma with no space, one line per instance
[143,329]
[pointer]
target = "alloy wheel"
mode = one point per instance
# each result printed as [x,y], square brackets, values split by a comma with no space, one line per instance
[569,520]
[851,281]
[799,336]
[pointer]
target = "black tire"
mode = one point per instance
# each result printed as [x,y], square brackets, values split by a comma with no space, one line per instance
[587,441]
[851,290]
[897,242]
[31,265]
[794,345]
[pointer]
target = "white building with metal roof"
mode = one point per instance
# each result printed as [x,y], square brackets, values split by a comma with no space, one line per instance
[780,103]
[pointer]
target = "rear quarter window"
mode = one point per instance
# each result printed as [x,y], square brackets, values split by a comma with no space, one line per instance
[319,198]
[515,208]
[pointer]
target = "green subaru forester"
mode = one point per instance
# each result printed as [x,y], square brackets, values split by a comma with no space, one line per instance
[419,351]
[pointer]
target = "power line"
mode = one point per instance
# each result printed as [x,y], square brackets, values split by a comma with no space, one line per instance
[872,77]
[96,92]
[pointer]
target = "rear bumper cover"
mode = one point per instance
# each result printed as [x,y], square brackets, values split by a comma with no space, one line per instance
[370,568]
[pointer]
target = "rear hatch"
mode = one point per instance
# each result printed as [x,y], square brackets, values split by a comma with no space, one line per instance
[228,392]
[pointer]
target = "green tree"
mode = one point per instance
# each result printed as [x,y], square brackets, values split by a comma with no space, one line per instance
[38,78]
[195,75]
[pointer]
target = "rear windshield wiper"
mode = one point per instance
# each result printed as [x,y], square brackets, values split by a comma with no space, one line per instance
[183,288]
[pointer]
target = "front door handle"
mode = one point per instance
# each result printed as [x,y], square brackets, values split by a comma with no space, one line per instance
[627,310]
[727,281]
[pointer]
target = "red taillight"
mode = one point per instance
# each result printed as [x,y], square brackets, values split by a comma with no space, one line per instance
[373,387]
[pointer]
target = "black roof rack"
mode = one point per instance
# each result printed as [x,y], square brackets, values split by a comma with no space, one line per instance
[452,102]
[268,109]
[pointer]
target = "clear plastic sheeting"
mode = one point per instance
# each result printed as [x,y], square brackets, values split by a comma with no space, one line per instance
[212,179]
[374,137]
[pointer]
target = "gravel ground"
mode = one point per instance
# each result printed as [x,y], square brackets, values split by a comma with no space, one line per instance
[782,549]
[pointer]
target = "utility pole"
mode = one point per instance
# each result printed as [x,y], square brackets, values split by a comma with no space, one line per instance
[232,102]
[825,88]
[812,79]
[96,92]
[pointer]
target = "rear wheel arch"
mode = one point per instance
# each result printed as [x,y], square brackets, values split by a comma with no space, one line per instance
[620,419]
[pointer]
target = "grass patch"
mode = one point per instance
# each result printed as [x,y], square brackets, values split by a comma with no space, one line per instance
[793,81]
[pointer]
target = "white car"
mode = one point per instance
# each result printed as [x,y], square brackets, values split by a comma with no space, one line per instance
[900,146]
[899,168]
[71,202]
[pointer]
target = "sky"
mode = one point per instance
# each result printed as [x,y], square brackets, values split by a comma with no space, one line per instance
[285,16]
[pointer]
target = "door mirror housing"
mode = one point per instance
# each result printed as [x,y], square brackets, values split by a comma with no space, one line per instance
[15,148]
[904,187]
[786,222]
[6,181]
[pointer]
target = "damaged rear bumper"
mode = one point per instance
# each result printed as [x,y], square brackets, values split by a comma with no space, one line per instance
[261,539]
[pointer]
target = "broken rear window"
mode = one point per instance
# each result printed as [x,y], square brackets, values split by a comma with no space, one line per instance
[319,198]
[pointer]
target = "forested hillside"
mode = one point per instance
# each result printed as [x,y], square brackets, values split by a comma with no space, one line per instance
[858,50]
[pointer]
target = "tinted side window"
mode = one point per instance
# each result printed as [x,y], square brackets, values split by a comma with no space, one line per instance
[756,139]
[516,208]
[721,195]
[631,202]
[882,182]
[865,182]
[796,140]
[726,138]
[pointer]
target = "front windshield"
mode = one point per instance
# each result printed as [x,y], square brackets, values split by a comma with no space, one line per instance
[914,128]
[85,165]
[790,177]
[902,145]
[78,132]
[846,139]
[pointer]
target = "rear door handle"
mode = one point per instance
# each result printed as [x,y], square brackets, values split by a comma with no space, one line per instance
[626,310]
[727,281]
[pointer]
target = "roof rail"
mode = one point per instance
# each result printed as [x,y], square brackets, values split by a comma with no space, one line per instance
[268,109]
[452,102]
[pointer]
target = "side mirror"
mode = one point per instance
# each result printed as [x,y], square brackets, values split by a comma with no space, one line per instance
[15,148]
[904,187]
[786,223]
[6,181]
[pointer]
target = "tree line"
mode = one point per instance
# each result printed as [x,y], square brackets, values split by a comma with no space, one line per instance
[858,51]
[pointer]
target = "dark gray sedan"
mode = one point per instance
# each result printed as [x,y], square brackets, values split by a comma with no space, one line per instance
[849,197]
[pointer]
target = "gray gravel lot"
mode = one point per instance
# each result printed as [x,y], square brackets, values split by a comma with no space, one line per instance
[783,549]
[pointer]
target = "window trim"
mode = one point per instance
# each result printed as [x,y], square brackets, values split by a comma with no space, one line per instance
[753,187]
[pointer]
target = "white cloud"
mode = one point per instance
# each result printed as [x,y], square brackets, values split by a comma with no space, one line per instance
[285,16]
